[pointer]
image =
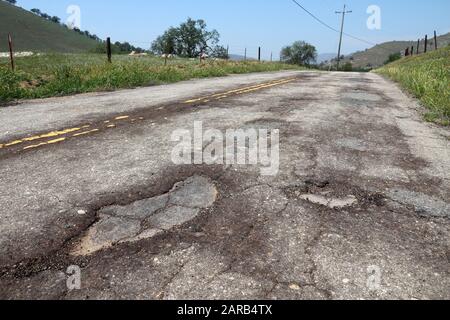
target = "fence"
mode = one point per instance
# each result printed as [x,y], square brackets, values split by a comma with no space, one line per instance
[410,51]
[246,50]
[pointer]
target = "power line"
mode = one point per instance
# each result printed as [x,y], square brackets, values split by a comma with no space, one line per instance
[330,27]
[316,18]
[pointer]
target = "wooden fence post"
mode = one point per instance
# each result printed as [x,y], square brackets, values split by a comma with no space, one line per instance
[11,52]
[418,46]
[108,49]
[426,44]
[435,41]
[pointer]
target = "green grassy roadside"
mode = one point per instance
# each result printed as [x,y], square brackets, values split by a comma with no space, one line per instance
[63,74]
[427,77]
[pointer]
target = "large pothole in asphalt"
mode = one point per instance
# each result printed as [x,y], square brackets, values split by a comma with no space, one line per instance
[148,218]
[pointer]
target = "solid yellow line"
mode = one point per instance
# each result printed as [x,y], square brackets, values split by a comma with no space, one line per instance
[45,143]
[236,90]
[84,133]
[263,87]
[13,143]
[227,92]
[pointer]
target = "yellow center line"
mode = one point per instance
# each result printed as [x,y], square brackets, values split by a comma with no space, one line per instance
[13,143]
[44,143]
[281,81]
[263,87]
[86,132]
[217,96]
[227,92]
[122,118]
[42,136]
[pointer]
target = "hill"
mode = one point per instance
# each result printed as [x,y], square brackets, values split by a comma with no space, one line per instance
[378,55]
[427,77]
[33,33]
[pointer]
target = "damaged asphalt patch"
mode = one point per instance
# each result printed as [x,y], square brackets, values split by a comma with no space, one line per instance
[147,218]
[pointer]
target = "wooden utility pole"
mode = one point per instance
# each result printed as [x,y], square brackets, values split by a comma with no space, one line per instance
[435,41]
[344,12]
[108,49]
[426,44]
[11,52]
[259,53]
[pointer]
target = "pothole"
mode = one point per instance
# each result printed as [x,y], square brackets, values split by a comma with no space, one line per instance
[149,217]
[332,203]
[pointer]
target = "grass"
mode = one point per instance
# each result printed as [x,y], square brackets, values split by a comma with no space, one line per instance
[427,77]
[33,33]
[49,75]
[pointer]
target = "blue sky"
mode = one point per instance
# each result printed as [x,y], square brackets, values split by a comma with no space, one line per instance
[250,23]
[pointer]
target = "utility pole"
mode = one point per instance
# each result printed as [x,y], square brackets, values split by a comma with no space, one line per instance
[344,12]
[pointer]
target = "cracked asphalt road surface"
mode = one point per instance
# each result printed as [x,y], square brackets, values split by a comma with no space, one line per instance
[359,210]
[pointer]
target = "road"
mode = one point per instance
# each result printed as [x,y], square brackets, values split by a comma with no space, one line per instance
[359,208]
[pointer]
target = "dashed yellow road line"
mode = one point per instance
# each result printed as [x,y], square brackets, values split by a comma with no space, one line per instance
[42,136]
[110,124]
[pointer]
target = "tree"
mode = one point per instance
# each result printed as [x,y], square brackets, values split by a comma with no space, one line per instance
[348,67]
[36,11]
[220,52]
[166,44]
[190,39]
[11,1]
[55,19]
[300,53]
[393,57]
